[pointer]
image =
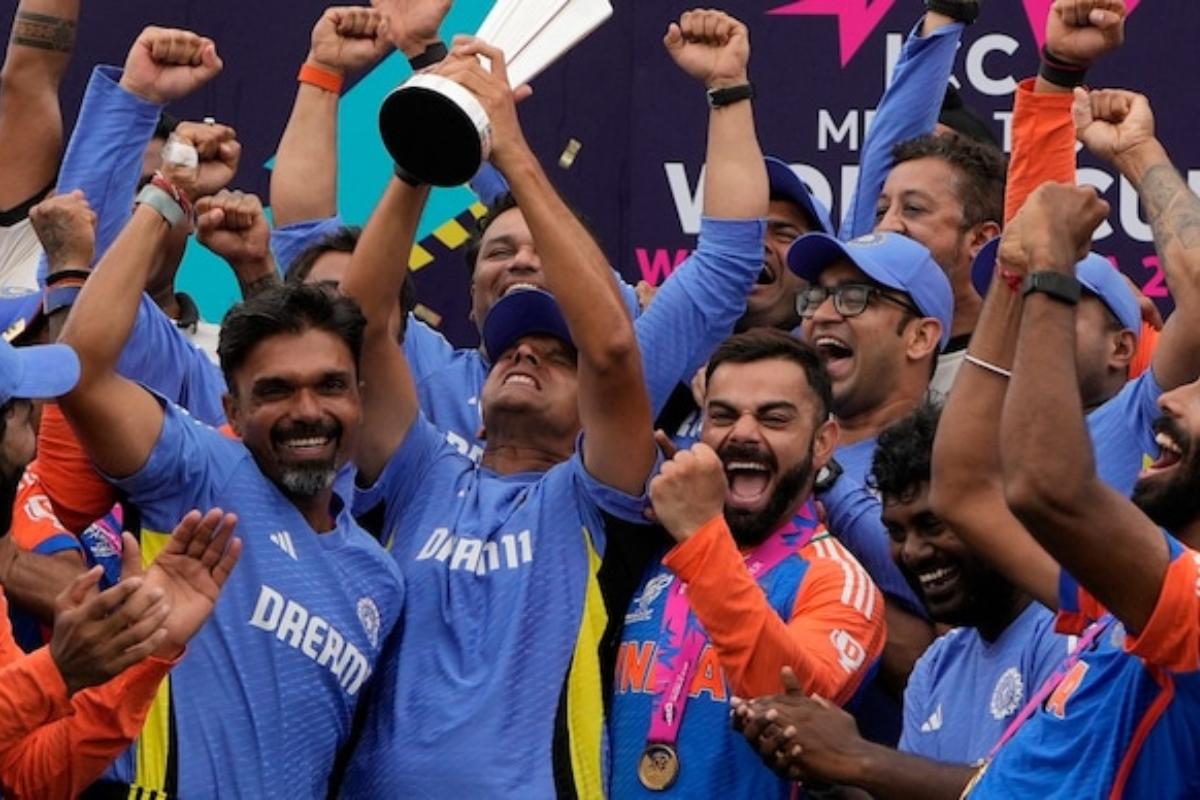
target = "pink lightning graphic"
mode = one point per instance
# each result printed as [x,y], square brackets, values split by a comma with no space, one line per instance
[857,19]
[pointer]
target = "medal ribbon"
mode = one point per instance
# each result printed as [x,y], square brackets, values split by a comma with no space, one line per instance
[681,640]
[1085,641]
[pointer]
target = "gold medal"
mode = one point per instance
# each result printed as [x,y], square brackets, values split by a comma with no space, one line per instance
[658,767]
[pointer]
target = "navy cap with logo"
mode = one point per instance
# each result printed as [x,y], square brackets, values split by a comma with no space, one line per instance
[520,313]
[889,259]
[37,372]
[784,182]
[1097,274]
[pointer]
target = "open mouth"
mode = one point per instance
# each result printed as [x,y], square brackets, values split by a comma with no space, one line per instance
[1170,453]
[748,481]
[307,448]
[937,581]
[766,277]
[517,286]
[835,354]
[520,379]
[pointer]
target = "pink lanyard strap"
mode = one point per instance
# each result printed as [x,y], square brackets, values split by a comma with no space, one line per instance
[681,640]
[1085,641]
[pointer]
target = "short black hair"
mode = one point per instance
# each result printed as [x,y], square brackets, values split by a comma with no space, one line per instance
[962,118]
[761,344]
[290,308]
[982,167]
[812,223]
[344,240]
[903,454]
[502,203]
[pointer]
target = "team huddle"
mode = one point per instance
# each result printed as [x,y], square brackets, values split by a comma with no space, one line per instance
[905,506]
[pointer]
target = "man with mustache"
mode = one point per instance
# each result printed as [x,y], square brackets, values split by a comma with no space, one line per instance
[303,621]
[753,584]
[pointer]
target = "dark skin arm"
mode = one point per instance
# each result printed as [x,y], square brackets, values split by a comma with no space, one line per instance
[31,127]
[34,581]
[811,740]
[1050,478]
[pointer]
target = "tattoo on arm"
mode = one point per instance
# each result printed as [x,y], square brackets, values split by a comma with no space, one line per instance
[43,32]
[1173,209]
[255,286]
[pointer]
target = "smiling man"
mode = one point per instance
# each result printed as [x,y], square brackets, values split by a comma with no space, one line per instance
[766,586]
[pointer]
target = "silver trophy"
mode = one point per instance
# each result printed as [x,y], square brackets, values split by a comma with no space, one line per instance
[437,131]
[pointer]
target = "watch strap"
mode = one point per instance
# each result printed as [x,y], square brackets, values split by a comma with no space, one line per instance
[719,98]
[1063,288]
[162,202]
[431,55]
[57,298]
[1059,72]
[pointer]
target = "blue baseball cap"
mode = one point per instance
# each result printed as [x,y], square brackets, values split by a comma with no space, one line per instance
[785,182]
[38,371]
[890,259]
[1095,272]
[522,312]
[19,308]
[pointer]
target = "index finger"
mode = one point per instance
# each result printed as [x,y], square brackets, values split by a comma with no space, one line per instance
[665,444]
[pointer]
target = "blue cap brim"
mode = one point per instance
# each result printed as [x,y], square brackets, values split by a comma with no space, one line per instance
[18,310]
[521,313]
[984,266]
[41,371]
[784,181]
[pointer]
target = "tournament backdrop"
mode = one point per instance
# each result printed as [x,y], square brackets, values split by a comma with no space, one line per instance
[819,67]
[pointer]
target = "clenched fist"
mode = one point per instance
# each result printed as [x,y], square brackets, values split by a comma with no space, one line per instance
[711,46]
[166,64]
[412,25]
[233,226]
[1053,230]
[347,39]
[1112,123]
[219,151]
[689,492]
[1081,31]
[65,224]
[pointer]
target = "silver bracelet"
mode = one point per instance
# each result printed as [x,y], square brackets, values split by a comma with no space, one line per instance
[989,366]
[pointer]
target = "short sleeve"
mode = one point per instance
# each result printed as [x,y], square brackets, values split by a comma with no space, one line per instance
[405,473]
[1171,638]
[289,241]
[609,500]
[916,704]
[1076,608]
[188,466]
[35,525]
[1046,652]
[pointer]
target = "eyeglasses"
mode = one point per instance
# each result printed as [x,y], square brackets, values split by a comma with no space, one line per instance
[849,299]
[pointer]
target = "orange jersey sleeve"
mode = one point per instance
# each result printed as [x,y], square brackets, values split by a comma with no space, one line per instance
[52,746]
[1043,144]
[833,638]
[1171,638]
[78,494]
[1143,357]
[35,525]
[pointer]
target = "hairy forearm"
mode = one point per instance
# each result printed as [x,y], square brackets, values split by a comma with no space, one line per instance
[735,183]
[103,316]
[577,272]
[256,278]
[304,180]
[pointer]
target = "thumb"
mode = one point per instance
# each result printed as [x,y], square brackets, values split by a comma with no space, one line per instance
[210,220]
[1103,19]
[209,59]
[1081,109]
[674,38]
[82,586]
[131,557]
[791,684]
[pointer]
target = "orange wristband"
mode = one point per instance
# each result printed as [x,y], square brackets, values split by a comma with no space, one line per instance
[321,78]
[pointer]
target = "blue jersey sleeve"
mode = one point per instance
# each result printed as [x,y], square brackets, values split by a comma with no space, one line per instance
[289,241]
[187,468]
[1045,652]
[613,501]
[406,473]
[854,516]
[696,308]
[104,154]
[916,704]
[427,350]
[909,108]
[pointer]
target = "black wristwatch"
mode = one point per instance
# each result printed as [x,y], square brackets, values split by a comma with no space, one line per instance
[1063,288]
[431,55]
[719,98]
[828,476]
[965,11]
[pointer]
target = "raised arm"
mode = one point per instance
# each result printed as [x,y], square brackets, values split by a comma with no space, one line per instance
[345,40]
[909,108]
[116,420]
[31,127]
[618,448]
[234,226]
[1050,478]
[967,490]
[1118,126]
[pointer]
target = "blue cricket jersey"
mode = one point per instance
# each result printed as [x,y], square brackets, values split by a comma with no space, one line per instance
[1124,722]
[266,693]
[503,616]
[1122,432]
[964,691]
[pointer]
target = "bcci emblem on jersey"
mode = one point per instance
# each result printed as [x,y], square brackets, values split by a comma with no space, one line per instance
[368,615]
[1009,694]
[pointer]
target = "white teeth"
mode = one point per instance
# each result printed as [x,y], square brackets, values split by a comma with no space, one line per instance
[1167,443]
[520,287]
[829,341]
[315,441]
[927,578]
[524,380]
[745,465]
